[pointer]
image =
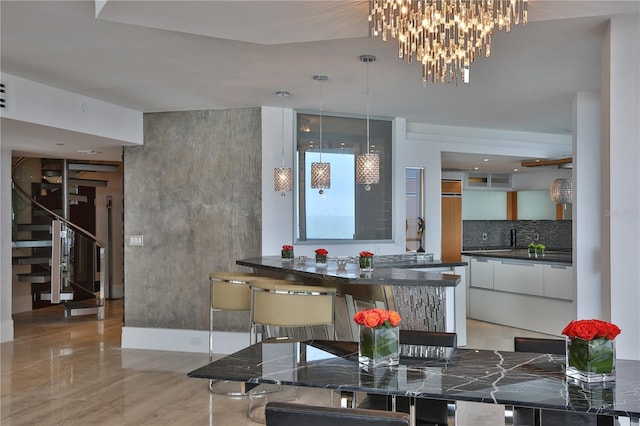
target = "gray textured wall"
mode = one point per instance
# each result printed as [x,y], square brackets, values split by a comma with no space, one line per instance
[194,192]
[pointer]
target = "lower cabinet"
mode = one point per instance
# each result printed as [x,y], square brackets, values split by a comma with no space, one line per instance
[524,294]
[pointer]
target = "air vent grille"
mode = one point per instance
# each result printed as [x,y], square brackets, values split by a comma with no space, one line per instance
[3,97]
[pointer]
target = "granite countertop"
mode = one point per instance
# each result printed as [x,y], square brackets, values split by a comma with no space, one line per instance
[396,270]
[550,256]
[499,377]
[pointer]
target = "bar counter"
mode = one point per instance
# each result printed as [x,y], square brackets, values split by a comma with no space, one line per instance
[426,293]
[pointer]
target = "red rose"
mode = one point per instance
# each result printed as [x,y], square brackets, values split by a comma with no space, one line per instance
[286,247]
[373,318]
[366,254]
[591,329]
[322,251]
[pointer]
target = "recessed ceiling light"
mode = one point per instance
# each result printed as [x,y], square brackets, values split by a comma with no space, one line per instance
[485,160]
[515,170]
[476,168]
[87,152]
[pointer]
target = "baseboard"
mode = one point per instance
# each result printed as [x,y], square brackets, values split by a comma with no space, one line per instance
[180,340]
[6,331]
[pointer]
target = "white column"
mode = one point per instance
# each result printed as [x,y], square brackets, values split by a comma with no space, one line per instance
[6,321]
[587,205]
[621,197]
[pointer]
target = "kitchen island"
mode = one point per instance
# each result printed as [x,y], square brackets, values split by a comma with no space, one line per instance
[426,293]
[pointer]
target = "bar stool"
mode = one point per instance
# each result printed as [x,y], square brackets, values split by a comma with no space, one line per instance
[286,306]
[282,304]
[230,291]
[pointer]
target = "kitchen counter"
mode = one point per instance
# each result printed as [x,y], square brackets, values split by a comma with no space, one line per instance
[426,293]
[550,256]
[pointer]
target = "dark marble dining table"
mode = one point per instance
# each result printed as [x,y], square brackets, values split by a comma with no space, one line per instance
[516,379]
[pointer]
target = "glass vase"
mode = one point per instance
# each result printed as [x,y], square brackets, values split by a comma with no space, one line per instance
[366,263]
[591,360]
[321,260]
[379,346]
[287,255]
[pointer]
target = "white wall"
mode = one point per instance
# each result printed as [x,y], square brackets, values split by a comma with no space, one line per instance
[37,103]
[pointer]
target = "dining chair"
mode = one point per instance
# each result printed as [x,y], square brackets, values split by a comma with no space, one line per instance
[528,416]
[288,414]
[428,411]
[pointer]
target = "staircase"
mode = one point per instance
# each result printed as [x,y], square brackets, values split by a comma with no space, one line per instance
[53,219]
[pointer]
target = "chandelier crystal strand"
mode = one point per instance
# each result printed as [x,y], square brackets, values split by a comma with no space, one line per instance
[445,36]
[368,165]
[282,176]
[320,172]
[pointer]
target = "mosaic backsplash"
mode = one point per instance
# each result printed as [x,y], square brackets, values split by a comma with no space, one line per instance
[555,234]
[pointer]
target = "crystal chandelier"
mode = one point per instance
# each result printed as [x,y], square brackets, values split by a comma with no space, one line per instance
[282,176]
[320,172]
[367,165]
[444,35]
[561,191]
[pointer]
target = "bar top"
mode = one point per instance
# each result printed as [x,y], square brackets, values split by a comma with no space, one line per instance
[388,270]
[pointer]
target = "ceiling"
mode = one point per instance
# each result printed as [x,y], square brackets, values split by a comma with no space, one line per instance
[182,55]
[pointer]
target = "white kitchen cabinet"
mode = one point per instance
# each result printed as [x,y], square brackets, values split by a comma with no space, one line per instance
[482,272]
[518,277]
[558,281]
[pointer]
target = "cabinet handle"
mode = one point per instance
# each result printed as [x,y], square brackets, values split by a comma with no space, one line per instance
[558,267]
[515,262]
[481,260]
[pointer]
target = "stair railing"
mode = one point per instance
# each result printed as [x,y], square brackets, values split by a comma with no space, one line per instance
[62,235]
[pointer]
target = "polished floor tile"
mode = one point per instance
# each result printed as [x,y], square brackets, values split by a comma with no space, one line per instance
[72,371]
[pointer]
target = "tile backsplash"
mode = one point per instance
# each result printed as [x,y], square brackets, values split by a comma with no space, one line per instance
[555,234]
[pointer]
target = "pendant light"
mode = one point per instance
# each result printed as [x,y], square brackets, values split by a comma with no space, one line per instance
[320,172]
[561,191]
[282,176]
[367,165]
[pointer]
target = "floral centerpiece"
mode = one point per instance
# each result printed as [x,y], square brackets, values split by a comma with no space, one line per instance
[287,253]
[379,337]
[591,350]
[366,260]
[321,256]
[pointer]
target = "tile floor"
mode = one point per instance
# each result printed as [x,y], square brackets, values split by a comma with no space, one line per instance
[72,371]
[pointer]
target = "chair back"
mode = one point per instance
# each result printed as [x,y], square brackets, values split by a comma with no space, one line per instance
[279,303]
[288,414]
[539,345]
[230,291]
[428,338]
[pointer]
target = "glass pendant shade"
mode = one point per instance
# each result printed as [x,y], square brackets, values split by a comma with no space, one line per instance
[368,169]
[321,176]
[561,191]
[282,180]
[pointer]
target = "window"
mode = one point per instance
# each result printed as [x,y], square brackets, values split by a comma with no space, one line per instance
[345,211]
[414,180]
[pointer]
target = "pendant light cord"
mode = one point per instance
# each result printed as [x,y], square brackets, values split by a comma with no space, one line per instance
[367,107]
[320,121]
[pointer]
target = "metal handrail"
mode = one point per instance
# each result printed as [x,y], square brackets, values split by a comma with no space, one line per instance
[25,195]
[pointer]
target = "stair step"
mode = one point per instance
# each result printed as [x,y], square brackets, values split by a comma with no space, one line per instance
[39,277]
[34,227]
[88,182]
[87,167]
[65,295]
[30,243]
[30,260]
[80,308]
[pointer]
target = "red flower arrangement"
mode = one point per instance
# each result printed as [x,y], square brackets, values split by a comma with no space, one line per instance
[322,252]
[366,254]
[374,318]
[591,329]
[287,247]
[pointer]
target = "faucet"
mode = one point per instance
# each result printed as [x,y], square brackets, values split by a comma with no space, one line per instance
[512,238]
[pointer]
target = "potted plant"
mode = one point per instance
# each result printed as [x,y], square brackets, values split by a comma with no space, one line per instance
[532,249]
[591,350]
[321,257]
[287,253]
[540,249]
[379,337]
[366,261]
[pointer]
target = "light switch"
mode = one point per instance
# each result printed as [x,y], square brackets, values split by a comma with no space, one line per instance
[136,240]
